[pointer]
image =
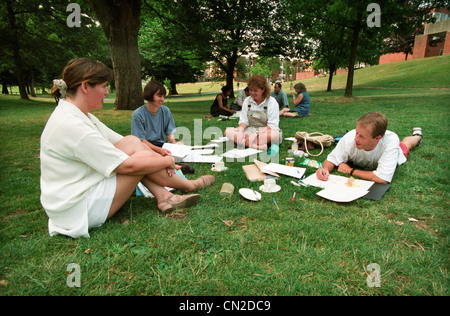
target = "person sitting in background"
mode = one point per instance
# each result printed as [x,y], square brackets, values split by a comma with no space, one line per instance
[302,103]
[153,122]
[237,103]
[258,124]
[88,171]
[279,95]
[220,105]
[370,147]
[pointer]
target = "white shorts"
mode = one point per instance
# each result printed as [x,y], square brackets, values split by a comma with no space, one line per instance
[99,201]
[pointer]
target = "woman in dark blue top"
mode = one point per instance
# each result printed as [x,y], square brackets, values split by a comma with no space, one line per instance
[302,103]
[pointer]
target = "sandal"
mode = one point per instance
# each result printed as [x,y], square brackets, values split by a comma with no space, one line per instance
[207,181]
[167,205]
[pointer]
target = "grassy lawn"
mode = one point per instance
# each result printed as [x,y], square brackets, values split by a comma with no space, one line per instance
[230,246]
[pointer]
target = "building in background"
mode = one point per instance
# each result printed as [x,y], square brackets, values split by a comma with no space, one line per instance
[435,40]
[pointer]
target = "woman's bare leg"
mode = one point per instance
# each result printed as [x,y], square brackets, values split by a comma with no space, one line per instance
[132,145]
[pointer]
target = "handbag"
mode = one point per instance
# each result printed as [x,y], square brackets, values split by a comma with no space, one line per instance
[322,140]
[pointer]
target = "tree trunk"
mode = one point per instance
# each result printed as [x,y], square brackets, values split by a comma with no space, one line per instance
[231,63]
[330,78]
[16,52]
[5,88]
[120,22]
[173,88]
[31,82]
[351,66]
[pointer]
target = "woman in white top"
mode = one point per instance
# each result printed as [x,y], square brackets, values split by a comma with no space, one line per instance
[88,171]
[258,124]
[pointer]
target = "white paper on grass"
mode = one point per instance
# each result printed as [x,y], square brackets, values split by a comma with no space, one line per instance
[290,171]
[335,189]
[181,151]
[201,152]
[240,153]
[219,140]
[334,179]
[342,193]
[193,157]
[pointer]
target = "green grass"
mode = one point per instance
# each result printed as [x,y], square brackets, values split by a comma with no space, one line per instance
[230,246]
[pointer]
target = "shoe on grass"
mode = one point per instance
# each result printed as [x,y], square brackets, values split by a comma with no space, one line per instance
[417,131]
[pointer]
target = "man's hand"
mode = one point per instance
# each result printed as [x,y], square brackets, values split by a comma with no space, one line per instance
[344,168]
[322,174]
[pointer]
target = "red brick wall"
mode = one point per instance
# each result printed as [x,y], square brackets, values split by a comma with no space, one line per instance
[305,75]
[447,44]
[420,46]
[391,58]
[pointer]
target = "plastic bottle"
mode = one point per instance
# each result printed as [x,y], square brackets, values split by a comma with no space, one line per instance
[273,150]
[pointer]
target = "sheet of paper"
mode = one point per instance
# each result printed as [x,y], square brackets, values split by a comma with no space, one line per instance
[236,115]
[240,153]
[193,157]
[201,152]
[342,193]
[219,140]
[176,150]
[261,166]
[204,146]
[334,179]
[290,171]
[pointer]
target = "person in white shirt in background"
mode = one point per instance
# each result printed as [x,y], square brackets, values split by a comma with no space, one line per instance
[258,124]
[88,171]
[370,147]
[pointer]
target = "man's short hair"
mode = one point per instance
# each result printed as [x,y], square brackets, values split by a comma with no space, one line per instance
[378,122]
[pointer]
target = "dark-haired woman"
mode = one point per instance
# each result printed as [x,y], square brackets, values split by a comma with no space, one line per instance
[220,105]
[153,122]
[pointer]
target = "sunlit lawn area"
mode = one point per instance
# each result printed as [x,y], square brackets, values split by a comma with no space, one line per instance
[231,246]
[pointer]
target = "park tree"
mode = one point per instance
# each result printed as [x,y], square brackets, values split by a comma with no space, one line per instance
[222,29]
[237,27]
[166,54]
[120,21]
[38,42]
[362,23]
[401,40]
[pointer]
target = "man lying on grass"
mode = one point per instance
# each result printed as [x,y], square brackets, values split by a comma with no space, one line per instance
[370,147]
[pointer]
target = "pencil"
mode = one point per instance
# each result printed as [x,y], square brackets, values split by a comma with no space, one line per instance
[275,203]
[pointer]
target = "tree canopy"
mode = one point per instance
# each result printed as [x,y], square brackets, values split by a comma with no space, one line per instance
[171,41]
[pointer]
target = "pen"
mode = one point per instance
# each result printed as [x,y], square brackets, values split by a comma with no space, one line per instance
[293,197]
[275,203]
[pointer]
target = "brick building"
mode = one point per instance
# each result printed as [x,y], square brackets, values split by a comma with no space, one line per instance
[434,41]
